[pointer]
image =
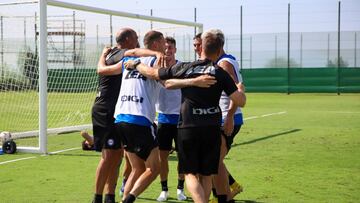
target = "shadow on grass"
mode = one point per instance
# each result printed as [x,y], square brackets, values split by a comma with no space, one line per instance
[170,199]
[267,137]
[247,201]
[173,200]
[80,155]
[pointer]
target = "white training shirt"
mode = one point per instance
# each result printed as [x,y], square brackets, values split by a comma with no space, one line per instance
[137,97]
[168,105]
[169,101]
[225,100]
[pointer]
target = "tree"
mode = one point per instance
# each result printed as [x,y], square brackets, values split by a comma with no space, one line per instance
[334,64]
[29,61]
[281,62]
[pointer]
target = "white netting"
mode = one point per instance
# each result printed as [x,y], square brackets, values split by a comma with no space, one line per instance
[75,41]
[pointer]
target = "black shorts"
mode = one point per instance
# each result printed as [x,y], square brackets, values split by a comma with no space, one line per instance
[105,135]
[199,150]
[137,139]
[230,139]
[166,133]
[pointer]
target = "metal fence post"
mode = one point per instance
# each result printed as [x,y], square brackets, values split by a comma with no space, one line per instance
[241,39]
[288,52]
[339,55]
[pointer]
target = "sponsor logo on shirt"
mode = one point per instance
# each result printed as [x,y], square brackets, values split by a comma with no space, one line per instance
[132,98]
[206,111]
[201,70]
[134,74]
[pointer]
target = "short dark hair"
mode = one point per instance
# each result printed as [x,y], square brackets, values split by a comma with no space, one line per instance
[198,36]
[212,41]
[151,36]
[170,40]
[123,34]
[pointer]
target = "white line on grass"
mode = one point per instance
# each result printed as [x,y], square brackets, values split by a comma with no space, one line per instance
[32,157]
[265,115]
[71,149]
[65,150]
[5,162]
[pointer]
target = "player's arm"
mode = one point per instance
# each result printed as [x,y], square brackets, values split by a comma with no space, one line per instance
[228,67]
[238,97]
[145,52]
[103,69]
[203,81]
[145,70]
[234,91]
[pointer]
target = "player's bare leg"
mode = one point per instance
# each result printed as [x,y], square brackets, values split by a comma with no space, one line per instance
[137,168]
[108,170]
[195,188]
[206,185]
[164,172]
[151,172]
[221,181]
[125,174]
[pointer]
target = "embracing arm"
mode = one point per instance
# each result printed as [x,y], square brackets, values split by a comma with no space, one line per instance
[200,81]
[144,52]
[103,69]
[238,97]
[145,70]
[153,73]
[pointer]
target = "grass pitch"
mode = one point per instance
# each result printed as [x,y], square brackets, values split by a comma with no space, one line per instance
[308,151]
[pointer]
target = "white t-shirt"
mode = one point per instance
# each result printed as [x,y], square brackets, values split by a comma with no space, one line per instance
[168,105]
[137,97]
[225,100]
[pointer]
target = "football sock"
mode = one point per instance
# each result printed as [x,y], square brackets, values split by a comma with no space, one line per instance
[129,199]
[164,186]
[97,198]
[231,179]
[109,198]
[221,198]
[180,184]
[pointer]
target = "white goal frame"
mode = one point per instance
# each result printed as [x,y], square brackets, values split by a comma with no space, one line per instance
[43,67]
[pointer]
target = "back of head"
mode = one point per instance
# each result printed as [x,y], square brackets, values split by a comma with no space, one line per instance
[150,37]
[123,35]
[212,42]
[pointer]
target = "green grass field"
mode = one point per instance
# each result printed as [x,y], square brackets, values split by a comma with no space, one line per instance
[308,153]
[19,110]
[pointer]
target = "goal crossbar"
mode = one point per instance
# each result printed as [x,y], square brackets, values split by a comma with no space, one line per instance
[43,67]
[123,14]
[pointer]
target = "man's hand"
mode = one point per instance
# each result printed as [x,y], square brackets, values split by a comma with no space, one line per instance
[240,86]
[228,125]
[130,65]
[106,51]
[204,81]
[160,60]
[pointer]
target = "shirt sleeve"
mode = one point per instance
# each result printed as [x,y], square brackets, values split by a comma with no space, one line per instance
[228,83]
[115,56]
[176,71]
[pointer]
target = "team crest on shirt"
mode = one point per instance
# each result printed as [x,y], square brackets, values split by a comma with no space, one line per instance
[110,142]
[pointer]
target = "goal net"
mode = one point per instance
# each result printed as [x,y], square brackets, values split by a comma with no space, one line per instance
[32,106]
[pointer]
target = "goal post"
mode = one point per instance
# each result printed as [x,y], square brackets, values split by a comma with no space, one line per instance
[67,59]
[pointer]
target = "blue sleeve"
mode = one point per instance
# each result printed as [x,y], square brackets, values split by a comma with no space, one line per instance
[152,62]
